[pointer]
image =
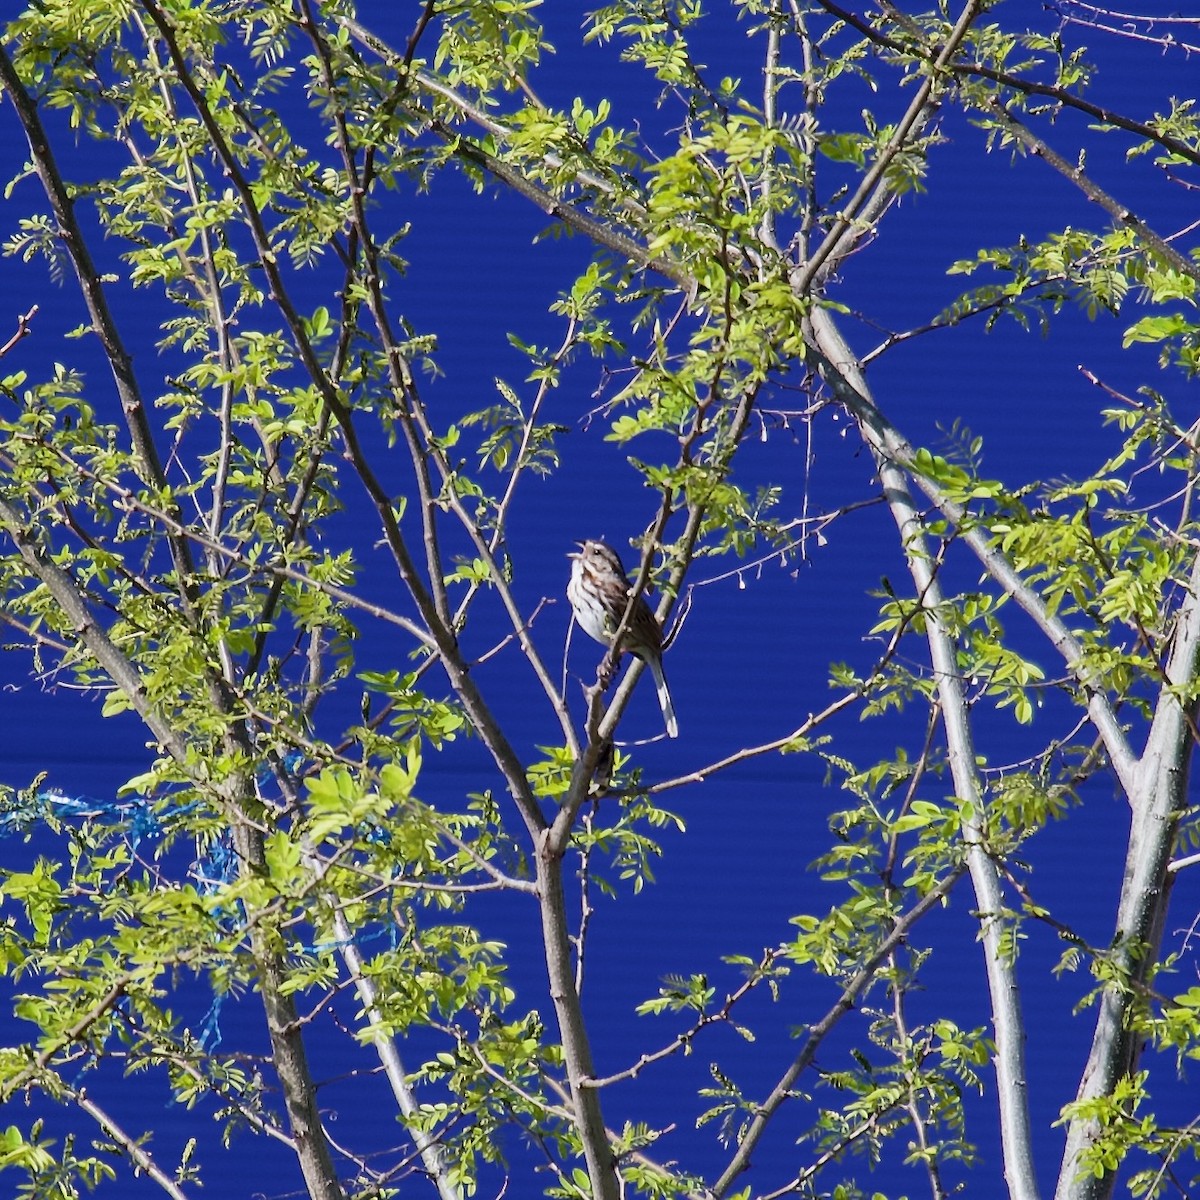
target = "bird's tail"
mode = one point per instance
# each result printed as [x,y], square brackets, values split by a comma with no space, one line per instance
[664,697]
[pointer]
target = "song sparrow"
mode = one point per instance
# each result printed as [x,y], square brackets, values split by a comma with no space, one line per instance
[599,593]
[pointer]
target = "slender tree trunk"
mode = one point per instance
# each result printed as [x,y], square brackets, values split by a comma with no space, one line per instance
[576,1049]
[1008,1021]
[1158,799]
[284,1029]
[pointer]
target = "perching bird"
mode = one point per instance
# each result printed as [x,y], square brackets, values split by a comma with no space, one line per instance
[599,594]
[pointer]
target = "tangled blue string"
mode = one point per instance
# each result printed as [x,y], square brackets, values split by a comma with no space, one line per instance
[210,1029]
[21,811]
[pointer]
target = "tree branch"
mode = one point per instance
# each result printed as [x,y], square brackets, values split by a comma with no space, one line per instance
[91,286]
[1012,1086]
[835,361]
[858,984]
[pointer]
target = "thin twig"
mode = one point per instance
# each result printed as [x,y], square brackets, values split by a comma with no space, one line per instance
[24,329]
